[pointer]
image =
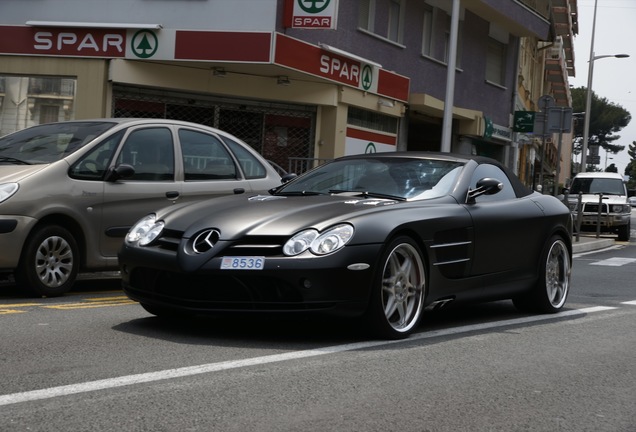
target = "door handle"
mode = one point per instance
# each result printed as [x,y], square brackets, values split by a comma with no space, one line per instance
[172,194]
[238,191]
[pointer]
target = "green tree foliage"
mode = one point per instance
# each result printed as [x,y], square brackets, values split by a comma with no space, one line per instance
[630,169]
[607,119]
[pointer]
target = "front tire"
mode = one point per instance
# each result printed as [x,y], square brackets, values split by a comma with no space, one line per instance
[553,286]
[49,263]
[398,291]
[624,232]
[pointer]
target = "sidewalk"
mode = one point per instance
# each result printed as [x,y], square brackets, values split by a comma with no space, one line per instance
[589,242]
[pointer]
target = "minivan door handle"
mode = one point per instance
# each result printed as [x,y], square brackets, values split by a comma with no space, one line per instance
[238,191]
[172,194]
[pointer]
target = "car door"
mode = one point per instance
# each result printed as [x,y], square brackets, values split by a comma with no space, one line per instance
[209,169]
[505,228]
[150,151]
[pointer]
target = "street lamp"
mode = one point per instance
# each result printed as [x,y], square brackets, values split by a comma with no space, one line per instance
[588,101]
[588,104]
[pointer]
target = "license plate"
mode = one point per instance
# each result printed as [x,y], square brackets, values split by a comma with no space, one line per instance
[243,263]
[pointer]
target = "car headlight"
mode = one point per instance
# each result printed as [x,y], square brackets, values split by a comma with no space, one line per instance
[145,231]
[319,243]
[619,209]
[7,190]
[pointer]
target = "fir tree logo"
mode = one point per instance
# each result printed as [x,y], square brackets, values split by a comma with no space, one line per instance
[144,44]
[313,6]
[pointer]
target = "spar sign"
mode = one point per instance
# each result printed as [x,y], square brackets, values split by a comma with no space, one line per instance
[311,14]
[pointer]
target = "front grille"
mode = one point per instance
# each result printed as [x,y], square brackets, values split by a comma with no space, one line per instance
[218,292]
[593,208]
[268,246]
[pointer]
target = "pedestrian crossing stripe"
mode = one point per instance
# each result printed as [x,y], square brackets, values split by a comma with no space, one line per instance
[615,262]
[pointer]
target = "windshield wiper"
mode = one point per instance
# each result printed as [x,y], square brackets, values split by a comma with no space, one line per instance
[367,194]
[14,160]
[299,193]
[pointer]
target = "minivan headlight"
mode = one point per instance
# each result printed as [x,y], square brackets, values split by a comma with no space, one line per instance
[7,190]
[145,231]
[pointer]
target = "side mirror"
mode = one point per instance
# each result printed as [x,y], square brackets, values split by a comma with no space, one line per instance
[288,177]
[485,186]
[122,171]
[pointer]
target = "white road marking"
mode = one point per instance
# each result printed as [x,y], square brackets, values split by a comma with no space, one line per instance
[615,262]
[631,303]
[122,381]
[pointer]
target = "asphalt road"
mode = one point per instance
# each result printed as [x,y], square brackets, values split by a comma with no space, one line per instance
[94,361]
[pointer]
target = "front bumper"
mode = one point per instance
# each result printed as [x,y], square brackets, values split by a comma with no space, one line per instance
[608,221]
[13,233]
[286,284]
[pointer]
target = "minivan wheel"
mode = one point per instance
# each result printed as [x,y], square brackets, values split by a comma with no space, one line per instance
[49,263]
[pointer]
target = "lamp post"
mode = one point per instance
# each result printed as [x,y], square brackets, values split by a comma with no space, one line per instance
[588,100]
[588,105]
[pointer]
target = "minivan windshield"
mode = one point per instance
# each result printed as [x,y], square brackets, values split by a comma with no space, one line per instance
[595,185]
[49,142]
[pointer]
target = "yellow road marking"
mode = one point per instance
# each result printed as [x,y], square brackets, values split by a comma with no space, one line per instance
[83,304]
[22,304]
[10,311]
[89,305]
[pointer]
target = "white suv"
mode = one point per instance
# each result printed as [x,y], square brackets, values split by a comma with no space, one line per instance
[603,202]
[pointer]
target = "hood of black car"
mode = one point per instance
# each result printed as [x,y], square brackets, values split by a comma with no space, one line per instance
[235,216]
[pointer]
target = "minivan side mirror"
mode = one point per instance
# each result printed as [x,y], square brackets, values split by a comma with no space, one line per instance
[122,171]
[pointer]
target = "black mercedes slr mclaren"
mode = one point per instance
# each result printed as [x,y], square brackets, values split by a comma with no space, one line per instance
[381,237]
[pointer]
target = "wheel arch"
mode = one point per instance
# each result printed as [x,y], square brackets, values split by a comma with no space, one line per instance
[68,223]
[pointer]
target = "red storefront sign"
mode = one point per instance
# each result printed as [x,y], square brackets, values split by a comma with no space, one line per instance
[109,43]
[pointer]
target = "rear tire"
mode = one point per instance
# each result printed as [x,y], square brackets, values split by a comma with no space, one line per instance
[49,263]
[552,288]
[398,291]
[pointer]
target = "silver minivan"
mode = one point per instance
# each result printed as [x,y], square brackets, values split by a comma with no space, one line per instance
[69,191]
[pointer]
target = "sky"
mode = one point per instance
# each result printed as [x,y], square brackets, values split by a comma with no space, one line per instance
[613,78]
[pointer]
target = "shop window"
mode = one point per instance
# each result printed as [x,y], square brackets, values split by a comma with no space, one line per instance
[41,100]
[372,120]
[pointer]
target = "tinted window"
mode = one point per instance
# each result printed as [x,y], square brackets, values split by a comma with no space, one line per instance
[50,142]
[407,178]
[94,164]
[492,171]
[605,186]
[251,166]
[205,157]
[150,151]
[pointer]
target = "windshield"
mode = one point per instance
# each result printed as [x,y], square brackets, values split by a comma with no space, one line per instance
[49,142]
[593,185]
[401,178]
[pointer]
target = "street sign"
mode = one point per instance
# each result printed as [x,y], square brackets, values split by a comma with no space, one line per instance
[523,121]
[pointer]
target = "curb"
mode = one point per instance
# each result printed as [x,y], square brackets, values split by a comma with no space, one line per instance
[586,244]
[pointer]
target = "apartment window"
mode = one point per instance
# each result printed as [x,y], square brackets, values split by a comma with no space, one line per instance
[496,62]
[396,19]
[458,54]
[367,15]
[49,113]
[427,33]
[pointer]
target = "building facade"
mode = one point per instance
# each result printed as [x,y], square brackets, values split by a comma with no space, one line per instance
[301,81]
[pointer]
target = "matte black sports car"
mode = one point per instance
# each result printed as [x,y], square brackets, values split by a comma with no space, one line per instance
[381,236]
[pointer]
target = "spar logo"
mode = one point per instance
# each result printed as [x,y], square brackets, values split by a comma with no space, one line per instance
[313,6]
[314,14]
[144,44]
